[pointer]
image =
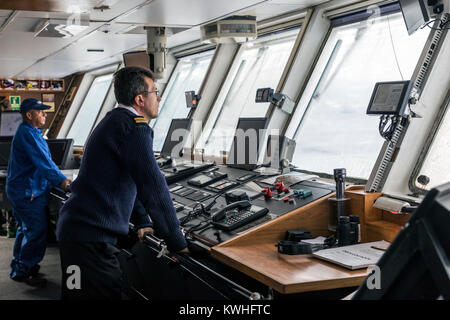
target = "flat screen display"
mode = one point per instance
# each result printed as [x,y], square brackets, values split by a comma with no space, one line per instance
[178,133]
[137,59]
[245,149]
[9,122]
[5,150]
[389,98]
[414,13]
[60,149]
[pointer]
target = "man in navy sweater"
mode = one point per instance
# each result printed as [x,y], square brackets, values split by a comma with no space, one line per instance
[118,167]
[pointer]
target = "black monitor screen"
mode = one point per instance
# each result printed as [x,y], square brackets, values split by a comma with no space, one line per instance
[245,149]
[414,14]
[5,150]
[178,132]
[389,98]
[60,150]
[10,121]
[137,59]
[417,262]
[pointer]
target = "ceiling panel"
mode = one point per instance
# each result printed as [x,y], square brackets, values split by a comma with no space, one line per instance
[275,8]
[268,10]
[51,69]
[48,5]
[191,13]
[117,8]
[26,56]
[44,14]
[5,13]
[55,68]
[96,65]
[10,67]
[303,3]
[187,36]
[111,44]
[78,58]
[17,42]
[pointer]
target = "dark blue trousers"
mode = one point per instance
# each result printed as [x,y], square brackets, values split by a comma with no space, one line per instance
[31,236]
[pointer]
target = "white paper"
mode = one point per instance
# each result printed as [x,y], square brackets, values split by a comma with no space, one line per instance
[355,256]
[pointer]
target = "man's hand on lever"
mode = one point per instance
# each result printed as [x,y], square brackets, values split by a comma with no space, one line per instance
[65,185]
[143,231]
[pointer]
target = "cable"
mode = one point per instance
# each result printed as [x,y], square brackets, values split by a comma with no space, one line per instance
[393,48]
[387,133]
[193,213]
[427,24]
[203,210]
[382,125]
[441,26]
[205,228]
[210,205]
[199,227]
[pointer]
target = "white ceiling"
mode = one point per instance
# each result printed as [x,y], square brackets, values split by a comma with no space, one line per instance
[24,56]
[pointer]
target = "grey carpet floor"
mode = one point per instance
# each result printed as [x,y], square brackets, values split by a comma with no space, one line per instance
[50,267]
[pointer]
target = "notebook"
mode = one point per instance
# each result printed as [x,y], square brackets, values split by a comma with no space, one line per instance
[356,256]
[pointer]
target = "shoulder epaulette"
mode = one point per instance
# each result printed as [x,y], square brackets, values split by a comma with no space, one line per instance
[140,120]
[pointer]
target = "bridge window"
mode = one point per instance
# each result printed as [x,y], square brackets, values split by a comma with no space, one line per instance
[259,64]
[187,76]
[330,124]
[86,116]
[436,162]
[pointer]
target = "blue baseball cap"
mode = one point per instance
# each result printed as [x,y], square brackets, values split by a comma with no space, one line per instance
[32,104]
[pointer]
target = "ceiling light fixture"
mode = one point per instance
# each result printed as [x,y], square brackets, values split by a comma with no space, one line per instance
[41,26]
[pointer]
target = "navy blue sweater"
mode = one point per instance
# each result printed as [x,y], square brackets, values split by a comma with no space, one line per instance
[118,165]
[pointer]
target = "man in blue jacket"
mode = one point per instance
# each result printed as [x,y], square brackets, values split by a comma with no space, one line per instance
[31,173]
[118,167]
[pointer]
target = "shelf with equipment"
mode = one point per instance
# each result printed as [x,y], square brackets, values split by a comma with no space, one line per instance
[31,85]
[376,224]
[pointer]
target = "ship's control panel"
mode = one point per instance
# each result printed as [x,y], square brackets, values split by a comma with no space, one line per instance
[218,202]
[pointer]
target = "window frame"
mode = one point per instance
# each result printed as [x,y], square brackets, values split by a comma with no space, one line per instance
[266,37]
[342,19]
[345,18]
[444,110]
[170,82]
[84,86]
[94,76]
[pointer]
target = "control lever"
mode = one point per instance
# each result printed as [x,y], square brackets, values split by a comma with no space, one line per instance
[267,193]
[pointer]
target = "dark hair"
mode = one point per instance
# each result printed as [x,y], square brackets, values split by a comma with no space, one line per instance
[129,82]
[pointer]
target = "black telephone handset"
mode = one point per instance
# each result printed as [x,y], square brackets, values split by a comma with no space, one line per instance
[219,215]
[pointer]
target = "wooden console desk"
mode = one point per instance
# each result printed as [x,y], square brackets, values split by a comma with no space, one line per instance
[255,253]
